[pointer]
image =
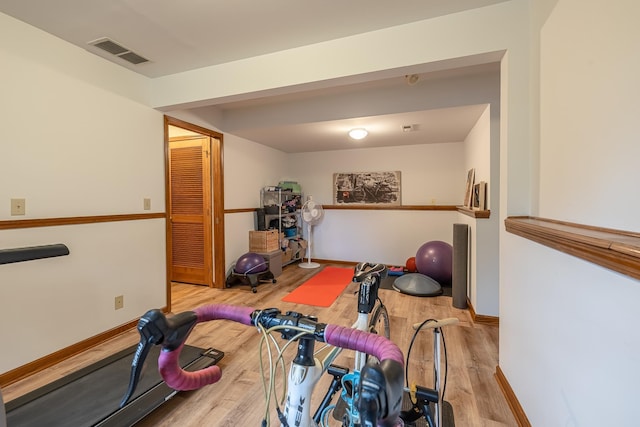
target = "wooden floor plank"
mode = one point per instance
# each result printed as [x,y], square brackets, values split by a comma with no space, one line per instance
[237,400]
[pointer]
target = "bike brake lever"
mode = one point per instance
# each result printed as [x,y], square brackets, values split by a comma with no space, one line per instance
[151,329]
[154,329]
[136,368]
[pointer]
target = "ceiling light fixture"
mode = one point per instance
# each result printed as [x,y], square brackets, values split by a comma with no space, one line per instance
[358,133]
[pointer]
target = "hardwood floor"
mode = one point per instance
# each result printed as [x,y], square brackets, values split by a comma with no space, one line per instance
[237,400]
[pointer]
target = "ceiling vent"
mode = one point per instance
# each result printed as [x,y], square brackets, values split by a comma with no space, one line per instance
[410,128]
[118,50]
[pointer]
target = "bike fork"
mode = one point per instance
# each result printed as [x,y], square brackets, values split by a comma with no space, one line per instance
[336,385]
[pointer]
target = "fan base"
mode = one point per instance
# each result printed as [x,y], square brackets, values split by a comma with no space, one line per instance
[309,265]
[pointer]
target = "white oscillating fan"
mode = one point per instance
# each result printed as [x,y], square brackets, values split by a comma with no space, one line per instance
[311,213]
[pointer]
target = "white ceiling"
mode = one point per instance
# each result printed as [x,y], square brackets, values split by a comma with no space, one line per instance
[177,36]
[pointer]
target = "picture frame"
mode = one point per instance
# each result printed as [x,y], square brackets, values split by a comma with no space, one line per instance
[480,196]
[367,188]
[468,194]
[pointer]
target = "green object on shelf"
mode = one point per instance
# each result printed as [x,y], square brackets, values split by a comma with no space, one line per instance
[290,185]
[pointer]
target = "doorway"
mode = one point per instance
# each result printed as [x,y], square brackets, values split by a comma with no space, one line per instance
[195,205]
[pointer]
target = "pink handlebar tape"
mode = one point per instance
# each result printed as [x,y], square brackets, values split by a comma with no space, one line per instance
[353,339]
[169,366]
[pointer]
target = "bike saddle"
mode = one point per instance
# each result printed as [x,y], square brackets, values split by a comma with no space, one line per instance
[366,269]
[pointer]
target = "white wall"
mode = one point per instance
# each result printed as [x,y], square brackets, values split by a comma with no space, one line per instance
[569,343]
[53,303]
[477,149]
[429,172]
[480,146]
[76,141]
[248,167]
[589,103]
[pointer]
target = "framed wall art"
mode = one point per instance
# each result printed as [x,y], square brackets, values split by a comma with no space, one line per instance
[468,194]
[480,196]
[367,188]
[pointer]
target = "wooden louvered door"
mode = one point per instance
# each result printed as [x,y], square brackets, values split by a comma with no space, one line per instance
[190,210]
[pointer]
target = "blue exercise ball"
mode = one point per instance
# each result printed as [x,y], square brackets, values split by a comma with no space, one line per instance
[251,262]
[435,259]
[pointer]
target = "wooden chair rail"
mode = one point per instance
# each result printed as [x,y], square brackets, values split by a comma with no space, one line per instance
[466,211]
[617,250]
[76,220]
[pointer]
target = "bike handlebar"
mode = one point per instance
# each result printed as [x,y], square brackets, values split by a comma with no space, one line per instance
[338,336]
[156,329]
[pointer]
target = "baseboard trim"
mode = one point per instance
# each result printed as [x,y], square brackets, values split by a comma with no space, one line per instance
[333,261]
[512,400]
[476,318]
[482,319]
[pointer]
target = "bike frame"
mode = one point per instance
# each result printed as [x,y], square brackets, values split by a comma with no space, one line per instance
[308,367]
[301,383]
[303,378]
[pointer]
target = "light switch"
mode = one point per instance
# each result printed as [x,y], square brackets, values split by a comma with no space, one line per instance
[147,204]
[18,207]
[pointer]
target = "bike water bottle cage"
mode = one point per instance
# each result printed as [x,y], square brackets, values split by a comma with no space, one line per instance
[156,329]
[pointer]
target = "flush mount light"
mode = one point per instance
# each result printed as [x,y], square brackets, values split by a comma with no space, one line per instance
[359,133]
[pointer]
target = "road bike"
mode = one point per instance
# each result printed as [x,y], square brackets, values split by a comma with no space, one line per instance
[376,397]
[372,317]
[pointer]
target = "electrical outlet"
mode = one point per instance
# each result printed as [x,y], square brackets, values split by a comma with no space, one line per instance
[147,204]
[433,201]
[119,302]
[18,207]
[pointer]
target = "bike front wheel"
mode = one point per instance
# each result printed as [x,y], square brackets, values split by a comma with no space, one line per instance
[379,323]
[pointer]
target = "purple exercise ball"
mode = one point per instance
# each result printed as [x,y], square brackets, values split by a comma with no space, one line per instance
[435,259]
[250,263]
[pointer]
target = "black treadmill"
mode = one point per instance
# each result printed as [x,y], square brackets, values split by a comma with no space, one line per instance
[91,396]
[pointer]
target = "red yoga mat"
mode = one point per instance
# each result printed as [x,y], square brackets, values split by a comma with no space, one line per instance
[323,288]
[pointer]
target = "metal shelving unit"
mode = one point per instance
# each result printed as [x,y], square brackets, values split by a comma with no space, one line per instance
[282,207]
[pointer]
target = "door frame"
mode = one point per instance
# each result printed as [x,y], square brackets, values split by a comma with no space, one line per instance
[217,201]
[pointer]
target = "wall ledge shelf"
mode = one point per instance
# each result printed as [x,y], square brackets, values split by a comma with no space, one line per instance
[474,213]
[617,250]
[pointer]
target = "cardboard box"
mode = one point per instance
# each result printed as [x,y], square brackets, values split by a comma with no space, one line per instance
[287,255]
[264,241]
[293,245]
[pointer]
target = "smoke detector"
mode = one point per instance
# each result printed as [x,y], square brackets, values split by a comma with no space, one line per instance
[412,79]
